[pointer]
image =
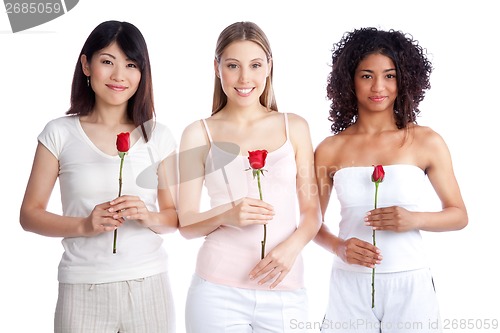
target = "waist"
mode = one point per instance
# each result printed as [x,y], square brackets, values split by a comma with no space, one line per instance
[229,264]
[400,251]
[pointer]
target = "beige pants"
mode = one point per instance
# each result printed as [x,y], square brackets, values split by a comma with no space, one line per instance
[135,306]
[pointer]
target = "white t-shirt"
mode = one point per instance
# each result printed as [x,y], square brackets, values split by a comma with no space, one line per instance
[88,177]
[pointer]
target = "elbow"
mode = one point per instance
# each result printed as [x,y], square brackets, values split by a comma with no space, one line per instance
[464,222]
[24,220]
[187,232]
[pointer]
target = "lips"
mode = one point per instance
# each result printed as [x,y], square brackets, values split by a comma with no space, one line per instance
[244,91]
[378,98]
[116,87]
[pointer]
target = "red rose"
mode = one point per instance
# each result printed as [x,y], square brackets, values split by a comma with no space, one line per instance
[378,174]
[377,178]
[257,159]
[123,142]
[122,145]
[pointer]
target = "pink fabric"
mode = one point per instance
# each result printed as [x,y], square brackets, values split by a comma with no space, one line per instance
[229,253]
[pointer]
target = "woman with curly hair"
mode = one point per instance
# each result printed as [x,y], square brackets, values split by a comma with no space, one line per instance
[377,80]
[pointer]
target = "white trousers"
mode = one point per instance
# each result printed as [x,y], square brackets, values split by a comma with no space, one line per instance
[214,308]
[404,302]
[135,306]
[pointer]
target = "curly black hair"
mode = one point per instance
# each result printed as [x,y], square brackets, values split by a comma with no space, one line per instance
[413,71]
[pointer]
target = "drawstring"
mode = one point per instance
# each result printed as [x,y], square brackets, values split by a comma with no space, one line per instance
[130,290]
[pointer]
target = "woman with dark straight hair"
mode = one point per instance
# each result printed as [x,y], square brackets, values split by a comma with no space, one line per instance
[113,272]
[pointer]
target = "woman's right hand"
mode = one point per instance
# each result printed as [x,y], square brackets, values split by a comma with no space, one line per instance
[249,211]
[101,220]
[357,252]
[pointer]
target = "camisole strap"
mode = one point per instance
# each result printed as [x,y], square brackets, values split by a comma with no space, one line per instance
[286,126]
[207,130]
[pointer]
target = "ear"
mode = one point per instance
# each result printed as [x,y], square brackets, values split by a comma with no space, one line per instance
[85,65]
[216,68]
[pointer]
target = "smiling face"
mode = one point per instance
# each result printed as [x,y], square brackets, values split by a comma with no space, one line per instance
[243,68]
[375,84]
[113,77]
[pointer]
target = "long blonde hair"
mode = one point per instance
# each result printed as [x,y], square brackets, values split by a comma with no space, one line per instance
[237,32]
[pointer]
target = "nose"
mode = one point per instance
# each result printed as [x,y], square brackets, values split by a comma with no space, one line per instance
[243,75]
[117,74]
[378,85]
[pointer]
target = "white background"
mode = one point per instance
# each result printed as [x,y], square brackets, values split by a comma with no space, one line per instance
[461,36]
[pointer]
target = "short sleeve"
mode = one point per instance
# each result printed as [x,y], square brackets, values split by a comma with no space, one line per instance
[51,137]
[164,141]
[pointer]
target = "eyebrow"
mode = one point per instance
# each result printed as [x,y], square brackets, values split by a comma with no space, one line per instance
[107,54]
[112,56]
[234,59]
[371,71]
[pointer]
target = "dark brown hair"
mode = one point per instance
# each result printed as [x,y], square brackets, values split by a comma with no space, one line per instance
[413,70]
[140,108]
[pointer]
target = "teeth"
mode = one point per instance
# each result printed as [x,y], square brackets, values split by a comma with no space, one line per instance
[245,91]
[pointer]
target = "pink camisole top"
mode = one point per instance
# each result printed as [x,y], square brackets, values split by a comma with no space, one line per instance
[229,253]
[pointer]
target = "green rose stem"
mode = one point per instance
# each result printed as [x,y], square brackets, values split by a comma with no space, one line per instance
[263,242]
[122,157]
[374,244]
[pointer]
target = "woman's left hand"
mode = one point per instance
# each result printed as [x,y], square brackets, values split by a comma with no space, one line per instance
[130,208]
[276,264]
[392,218]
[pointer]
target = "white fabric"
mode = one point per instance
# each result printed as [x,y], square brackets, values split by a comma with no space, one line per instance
[88,177]
[402,186]
[404,302]
[214,308]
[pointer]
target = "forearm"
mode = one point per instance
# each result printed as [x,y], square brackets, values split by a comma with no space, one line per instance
[449,219]
[40,221]
[326,239]
[307,228]
[194,225]
[165,221]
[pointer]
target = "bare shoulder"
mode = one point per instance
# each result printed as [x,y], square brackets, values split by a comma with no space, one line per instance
[194,135]
[297,123]
[331,144]
[328,152]
[427,138]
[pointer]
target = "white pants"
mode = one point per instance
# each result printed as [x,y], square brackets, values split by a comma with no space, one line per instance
[135,306]
[214,308]
[404,302]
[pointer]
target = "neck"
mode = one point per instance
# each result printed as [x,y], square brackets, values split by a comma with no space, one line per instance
[374,123]
[109,116]
[243,114]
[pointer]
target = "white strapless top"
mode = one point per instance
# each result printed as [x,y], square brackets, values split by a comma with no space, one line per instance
[403,186]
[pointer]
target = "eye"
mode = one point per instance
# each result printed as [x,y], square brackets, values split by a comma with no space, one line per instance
[107,62]
[132,65]
[366,76]
[391,76]
[232,66]
[257,65]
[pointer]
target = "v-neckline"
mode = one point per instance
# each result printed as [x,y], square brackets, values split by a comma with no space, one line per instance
[93,145]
